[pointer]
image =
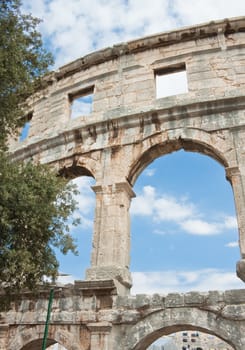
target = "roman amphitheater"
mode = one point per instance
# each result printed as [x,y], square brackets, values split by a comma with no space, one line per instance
[129,127]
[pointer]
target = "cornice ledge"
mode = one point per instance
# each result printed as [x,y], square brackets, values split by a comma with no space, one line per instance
[214,28]
[191,109]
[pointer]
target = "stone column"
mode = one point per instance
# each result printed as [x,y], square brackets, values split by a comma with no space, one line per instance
[111,241]
[100,333]
[234,176]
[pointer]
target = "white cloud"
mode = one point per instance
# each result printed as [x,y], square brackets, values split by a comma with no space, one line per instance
[230,222]
[164,282]
[169,281]
[206,10]
[66,279]
[149,172]
[76,28]
[168,208]
[81,106]
[85,197]
[85,201]
[200,227]
[232,244]
[143,204]
[162,207]
[180,211]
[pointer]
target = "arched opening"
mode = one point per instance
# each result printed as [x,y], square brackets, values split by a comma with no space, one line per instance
[183,222]
[199,144]
[190,340]
[60,337]
[158,334]
[72,267]
[168,321]
[37,344]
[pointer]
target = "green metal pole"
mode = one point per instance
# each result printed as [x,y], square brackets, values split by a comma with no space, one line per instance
[45,336]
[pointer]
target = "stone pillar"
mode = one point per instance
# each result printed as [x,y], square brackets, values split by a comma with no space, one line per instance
[111,241]
[100,333]
[235,178]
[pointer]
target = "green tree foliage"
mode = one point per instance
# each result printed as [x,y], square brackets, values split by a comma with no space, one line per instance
[34,211]
[35,204]
[23,61]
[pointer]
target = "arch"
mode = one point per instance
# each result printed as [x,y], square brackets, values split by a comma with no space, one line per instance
[73,167]
[165,322]
[73,171]
[219,145]
[30,338]
[189,139]
[36,344]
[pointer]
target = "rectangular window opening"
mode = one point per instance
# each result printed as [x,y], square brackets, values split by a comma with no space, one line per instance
[26,127]
[81,103]
[171,81]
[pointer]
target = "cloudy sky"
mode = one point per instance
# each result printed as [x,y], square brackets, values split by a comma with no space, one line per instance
[183,224]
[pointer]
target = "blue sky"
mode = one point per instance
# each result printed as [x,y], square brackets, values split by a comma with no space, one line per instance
[183,226]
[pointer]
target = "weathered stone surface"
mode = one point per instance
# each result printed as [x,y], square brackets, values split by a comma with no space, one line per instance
[135,320]
[128,128]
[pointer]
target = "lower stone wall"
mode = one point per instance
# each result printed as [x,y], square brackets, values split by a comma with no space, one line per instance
[92,316]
